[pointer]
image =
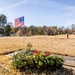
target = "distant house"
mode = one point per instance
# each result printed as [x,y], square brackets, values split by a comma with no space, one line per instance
[74,33]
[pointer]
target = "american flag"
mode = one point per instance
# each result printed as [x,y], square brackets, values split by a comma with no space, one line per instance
[19,21]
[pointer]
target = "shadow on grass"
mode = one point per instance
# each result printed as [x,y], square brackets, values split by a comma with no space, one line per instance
[62,71]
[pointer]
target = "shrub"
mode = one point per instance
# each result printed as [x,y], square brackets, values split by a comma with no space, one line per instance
[29,46]
[36,60]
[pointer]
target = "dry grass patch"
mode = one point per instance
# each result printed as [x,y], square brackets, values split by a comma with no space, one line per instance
[5,66]
[56,44]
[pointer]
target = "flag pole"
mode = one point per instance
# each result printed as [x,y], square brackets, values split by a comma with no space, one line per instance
[18,23]
[23,38]
[23,41]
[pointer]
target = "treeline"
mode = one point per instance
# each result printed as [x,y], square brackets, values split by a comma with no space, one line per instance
[34,30]
[7,29]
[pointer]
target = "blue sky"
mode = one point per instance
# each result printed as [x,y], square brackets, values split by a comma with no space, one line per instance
[40,12]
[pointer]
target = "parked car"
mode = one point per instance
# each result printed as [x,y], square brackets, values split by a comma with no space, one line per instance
[2,35]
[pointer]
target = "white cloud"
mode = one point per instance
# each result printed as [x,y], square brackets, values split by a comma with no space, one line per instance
[48,3]
[14,5]
[71,8]
[70,14]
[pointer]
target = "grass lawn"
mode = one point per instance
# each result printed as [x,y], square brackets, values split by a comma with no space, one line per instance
[55,44]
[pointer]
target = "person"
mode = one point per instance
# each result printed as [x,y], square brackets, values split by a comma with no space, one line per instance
[67,35]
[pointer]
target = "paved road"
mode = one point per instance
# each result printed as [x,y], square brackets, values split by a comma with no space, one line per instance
[68,60]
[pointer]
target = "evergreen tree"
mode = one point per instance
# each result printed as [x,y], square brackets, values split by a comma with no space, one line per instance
[7,30]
